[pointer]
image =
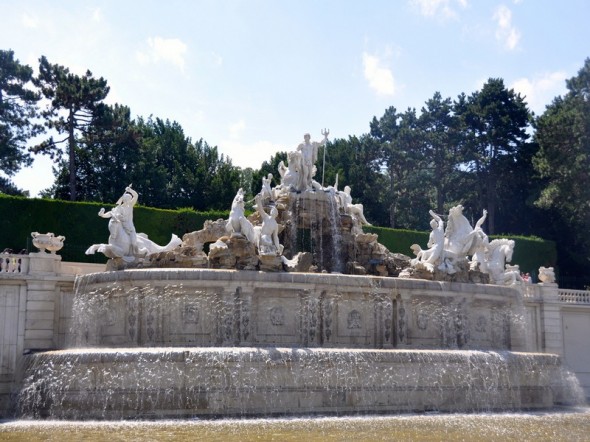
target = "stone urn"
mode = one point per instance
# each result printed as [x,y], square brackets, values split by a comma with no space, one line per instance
[48,242]
[547,275]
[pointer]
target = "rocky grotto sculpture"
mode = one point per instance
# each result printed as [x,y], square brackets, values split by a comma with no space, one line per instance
[301,226]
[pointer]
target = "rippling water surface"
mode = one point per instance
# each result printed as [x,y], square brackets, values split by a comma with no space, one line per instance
[570,425]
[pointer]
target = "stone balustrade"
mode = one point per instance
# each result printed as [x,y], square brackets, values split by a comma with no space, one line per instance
[13,263]
[574,296]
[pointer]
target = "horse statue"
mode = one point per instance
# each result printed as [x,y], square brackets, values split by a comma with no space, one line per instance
[499,252]
[237,222]
[124,242]
[461,240]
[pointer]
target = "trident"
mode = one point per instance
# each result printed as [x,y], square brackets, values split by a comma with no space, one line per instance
[325,133]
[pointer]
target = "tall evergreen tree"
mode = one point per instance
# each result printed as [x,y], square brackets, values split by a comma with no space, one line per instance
[18,110]
[563,162]
[443,150]
[108,156]
[495,123]
[74,102]
[402,157]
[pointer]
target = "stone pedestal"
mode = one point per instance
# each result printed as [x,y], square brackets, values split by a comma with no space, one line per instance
[44,263]
[551,318]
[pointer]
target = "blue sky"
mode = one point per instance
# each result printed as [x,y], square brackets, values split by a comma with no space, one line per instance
[251,77]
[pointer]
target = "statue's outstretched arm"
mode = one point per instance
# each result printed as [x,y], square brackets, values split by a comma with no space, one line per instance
[104,214]
[134,195]
[259,208]
[435,216]
[480,221]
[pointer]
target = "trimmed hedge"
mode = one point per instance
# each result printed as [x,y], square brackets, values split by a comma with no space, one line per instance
[82,227]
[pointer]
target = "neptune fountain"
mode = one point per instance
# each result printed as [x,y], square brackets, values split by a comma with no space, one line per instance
[294,310]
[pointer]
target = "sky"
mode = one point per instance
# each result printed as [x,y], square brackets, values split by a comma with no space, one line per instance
[252,76]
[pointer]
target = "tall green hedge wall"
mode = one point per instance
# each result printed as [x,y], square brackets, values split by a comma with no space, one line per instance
[82,227]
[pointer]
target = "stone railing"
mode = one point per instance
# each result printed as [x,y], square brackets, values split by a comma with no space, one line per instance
[530,291]
[574,296]
[14,264]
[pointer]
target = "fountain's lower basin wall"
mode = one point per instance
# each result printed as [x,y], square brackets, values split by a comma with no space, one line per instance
[226,308]
[105,383]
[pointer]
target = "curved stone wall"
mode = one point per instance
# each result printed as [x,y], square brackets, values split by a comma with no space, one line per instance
[221,308]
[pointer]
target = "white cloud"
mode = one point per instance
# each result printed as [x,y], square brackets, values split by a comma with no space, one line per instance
[441,9]
[97,15]
[380,78]
[236,129]
[540,90]
[506,33]
[248,154]
[170,50]
[217,59]
[29,21]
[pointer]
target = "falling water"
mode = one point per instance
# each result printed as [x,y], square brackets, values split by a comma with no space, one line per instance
[184,382]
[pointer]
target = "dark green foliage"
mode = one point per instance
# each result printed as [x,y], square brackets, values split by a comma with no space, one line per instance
[563,163]
[9,188]
[165,167]
[494,122]
[356,162]
[399,240]
[18,108]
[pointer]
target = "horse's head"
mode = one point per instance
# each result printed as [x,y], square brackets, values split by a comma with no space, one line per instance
[456,211]
[238,199]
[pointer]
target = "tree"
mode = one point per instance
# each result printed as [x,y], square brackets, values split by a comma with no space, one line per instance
[563,162]
[443,151]
[108,156]
[495,121]
[18,109]
[75,101]
[357,162]
[402,158]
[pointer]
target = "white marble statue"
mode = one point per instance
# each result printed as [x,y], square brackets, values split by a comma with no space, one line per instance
[309,155]
[433,256]
[546,275]
[237,222]
[124,242]
[498,254]
[266,190]
[480,246]
[461,240]
[354,210]
[267,237]
[290,174]
[511,275]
